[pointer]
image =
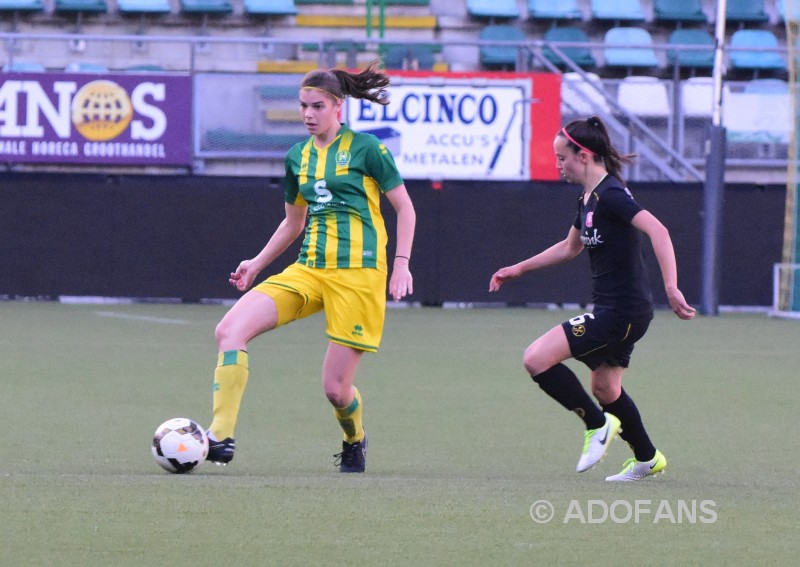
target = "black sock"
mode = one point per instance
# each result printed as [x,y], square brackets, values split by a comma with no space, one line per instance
[561,384]
[632,427]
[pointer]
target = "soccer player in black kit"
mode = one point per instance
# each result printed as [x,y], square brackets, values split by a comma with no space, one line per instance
[608,225]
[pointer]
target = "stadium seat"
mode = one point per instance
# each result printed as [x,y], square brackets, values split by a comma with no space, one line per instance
[270,7]
[691,58]
[755,60]
[80,6]
[492,57]
[21,6]
[758,118]
[617,10]
[143,6]
[581,97]
[767,86]
[550,10]
[396,57]
[744,11]
[493,8]
[634,48]
[24,67]
[82,67]
[644,96]
[581,56]
[358,19]
[223,139]
[414,57]
[684,11]
[336,45]
[697,97]
[144,68]
[792,16]
[206,7]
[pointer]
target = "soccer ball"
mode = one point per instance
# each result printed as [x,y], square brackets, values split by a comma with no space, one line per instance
[180,445]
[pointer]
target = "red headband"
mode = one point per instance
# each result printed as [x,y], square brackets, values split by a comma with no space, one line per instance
[571,139]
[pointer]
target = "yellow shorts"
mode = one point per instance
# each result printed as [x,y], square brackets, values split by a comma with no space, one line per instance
[354,300]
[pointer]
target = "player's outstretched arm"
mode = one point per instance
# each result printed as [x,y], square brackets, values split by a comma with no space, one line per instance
[559,252]
[665,253]
[287,232]
[401,283]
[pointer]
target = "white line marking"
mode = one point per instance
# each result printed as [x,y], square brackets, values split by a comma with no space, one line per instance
[142,318]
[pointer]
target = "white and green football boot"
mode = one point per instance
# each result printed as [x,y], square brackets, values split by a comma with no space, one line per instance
[596,442]
[637,470]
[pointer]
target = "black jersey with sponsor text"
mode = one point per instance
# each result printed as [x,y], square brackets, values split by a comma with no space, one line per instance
[619,280]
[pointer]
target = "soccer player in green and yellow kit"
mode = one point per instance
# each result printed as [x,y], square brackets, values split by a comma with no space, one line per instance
[334,180]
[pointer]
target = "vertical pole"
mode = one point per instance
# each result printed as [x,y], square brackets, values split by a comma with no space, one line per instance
[381,18]
[369,18]
[715,180]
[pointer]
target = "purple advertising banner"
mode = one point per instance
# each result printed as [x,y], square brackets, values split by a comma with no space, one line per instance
[89,119]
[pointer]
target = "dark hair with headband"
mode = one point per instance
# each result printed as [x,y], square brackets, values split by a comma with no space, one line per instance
[369,84]
[591,135]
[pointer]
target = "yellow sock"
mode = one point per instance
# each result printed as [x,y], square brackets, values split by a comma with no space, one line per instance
[350,419]
[230,378]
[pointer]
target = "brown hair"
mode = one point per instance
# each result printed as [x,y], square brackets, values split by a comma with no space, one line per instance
[592,135]
[369,84]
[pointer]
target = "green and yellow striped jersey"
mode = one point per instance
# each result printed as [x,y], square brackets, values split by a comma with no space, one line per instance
[341,186]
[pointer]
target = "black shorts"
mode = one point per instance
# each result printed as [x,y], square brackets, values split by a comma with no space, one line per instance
[605,337]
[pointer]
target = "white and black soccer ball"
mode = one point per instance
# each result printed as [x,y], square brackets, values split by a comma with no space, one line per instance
[180,445]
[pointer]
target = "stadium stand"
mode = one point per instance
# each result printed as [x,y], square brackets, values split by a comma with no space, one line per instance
[494,57]
[493,9]
[756,59]
[617,10]
[628,48]
[692,59]
[679,11]
[314,33]
[580,55]
[746,11]
[549,10]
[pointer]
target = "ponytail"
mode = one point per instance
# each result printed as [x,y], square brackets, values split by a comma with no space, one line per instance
[592,135]
[369,84]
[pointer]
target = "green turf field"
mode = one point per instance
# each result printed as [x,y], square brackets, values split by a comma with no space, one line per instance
[461,445]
